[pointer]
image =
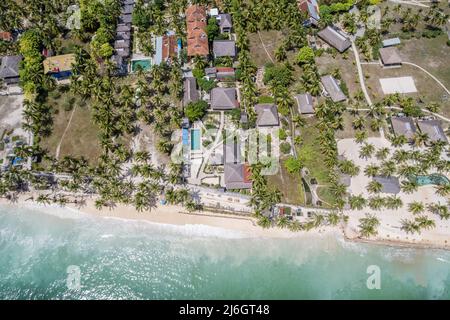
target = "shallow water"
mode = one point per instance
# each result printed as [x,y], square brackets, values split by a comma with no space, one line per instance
[120,259]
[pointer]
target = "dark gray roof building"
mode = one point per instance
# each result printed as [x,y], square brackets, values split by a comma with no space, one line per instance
[335,38]
[390,57]
[121,44]
[225,22]
[403,126]
[305,103]
[125,19]
[9,69]
[224,48]
[236,176]
[390,184]
[433,129]
[332,88]
[267,115]
[123,28]
[190,91]
[223,98]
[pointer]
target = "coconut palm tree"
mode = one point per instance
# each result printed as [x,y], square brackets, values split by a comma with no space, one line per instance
[416,207]
[374,187]
[371,170]
[366,151]
[388,168]
[393,202]
[424,223]
[376,203]
[439,209]
[264,222]
[382,153]
[420,138]
[409,186]
[333,218]
[357,202]
[368,226]
[409,226]
[398,141]
[282,222]
[443,189]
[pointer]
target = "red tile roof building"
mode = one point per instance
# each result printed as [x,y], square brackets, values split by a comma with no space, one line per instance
[169,48]
[197,39]
[5,36]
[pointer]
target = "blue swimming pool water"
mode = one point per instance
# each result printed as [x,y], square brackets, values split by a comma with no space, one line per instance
[195,139]
[436,179]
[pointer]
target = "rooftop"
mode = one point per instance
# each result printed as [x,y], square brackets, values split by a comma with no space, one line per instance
[403,126]
[237,176]
[190,91]
[197,39]
[224,48]
[390,184]
[433,129]
[267,115]
[223,98]
[305,103]
[391,42]
[332,88]
[335,38]
[390,56]
[9,67]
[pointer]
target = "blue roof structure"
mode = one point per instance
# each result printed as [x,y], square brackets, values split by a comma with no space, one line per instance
[391,42]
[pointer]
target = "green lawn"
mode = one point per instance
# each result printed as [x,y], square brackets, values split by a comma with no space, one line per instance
[290,186]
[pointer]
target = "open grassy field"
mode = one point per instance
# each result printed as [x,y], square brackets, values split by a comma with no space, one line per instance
[326,63]
[81,138]
[272,39]
[290,186]
[313,159]
[427,89]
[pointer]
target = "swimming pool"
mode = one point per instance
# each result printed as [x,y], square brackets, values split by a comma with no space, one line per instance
[144,64]
[436,179]
[195,139]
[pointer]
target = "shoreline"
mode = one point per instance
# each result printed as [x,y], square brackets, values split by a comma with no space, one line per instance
[245,227]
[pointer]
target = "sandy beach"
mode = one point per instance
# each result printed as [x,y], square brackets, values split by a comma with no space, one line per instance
[246,226]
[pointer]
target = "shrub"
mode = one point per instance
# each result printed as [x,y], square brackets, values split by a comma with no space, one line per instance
[282,134]
[285,147]
[196,110]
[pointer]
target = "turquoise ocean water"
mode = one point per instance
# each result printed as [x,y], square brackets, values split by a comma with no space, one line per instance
[121,259]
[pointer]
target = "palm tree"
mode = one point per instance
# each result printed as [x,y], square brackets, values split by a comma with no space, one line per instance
[368,226]
[420,138]
[333,218]
[409,226]
[374,187]
[264,222]
[388,168]
[416,207]
[439,209]
[393,202]
[366,151]
[443,189]
[357,202]
[371,170]
[282,222]
[376,203]
[382,153]
[409,186]
[398,141]
[424,223]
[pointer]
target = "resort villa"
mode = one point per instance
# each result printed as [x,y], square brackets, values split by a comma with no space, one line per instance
[267,115]
[224,48]
[305,103]
[191,93]
[332,88]
[223,99]
[9,69]
[197,39]
[433,129]
[404,126]
[335,38]
[389,57]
